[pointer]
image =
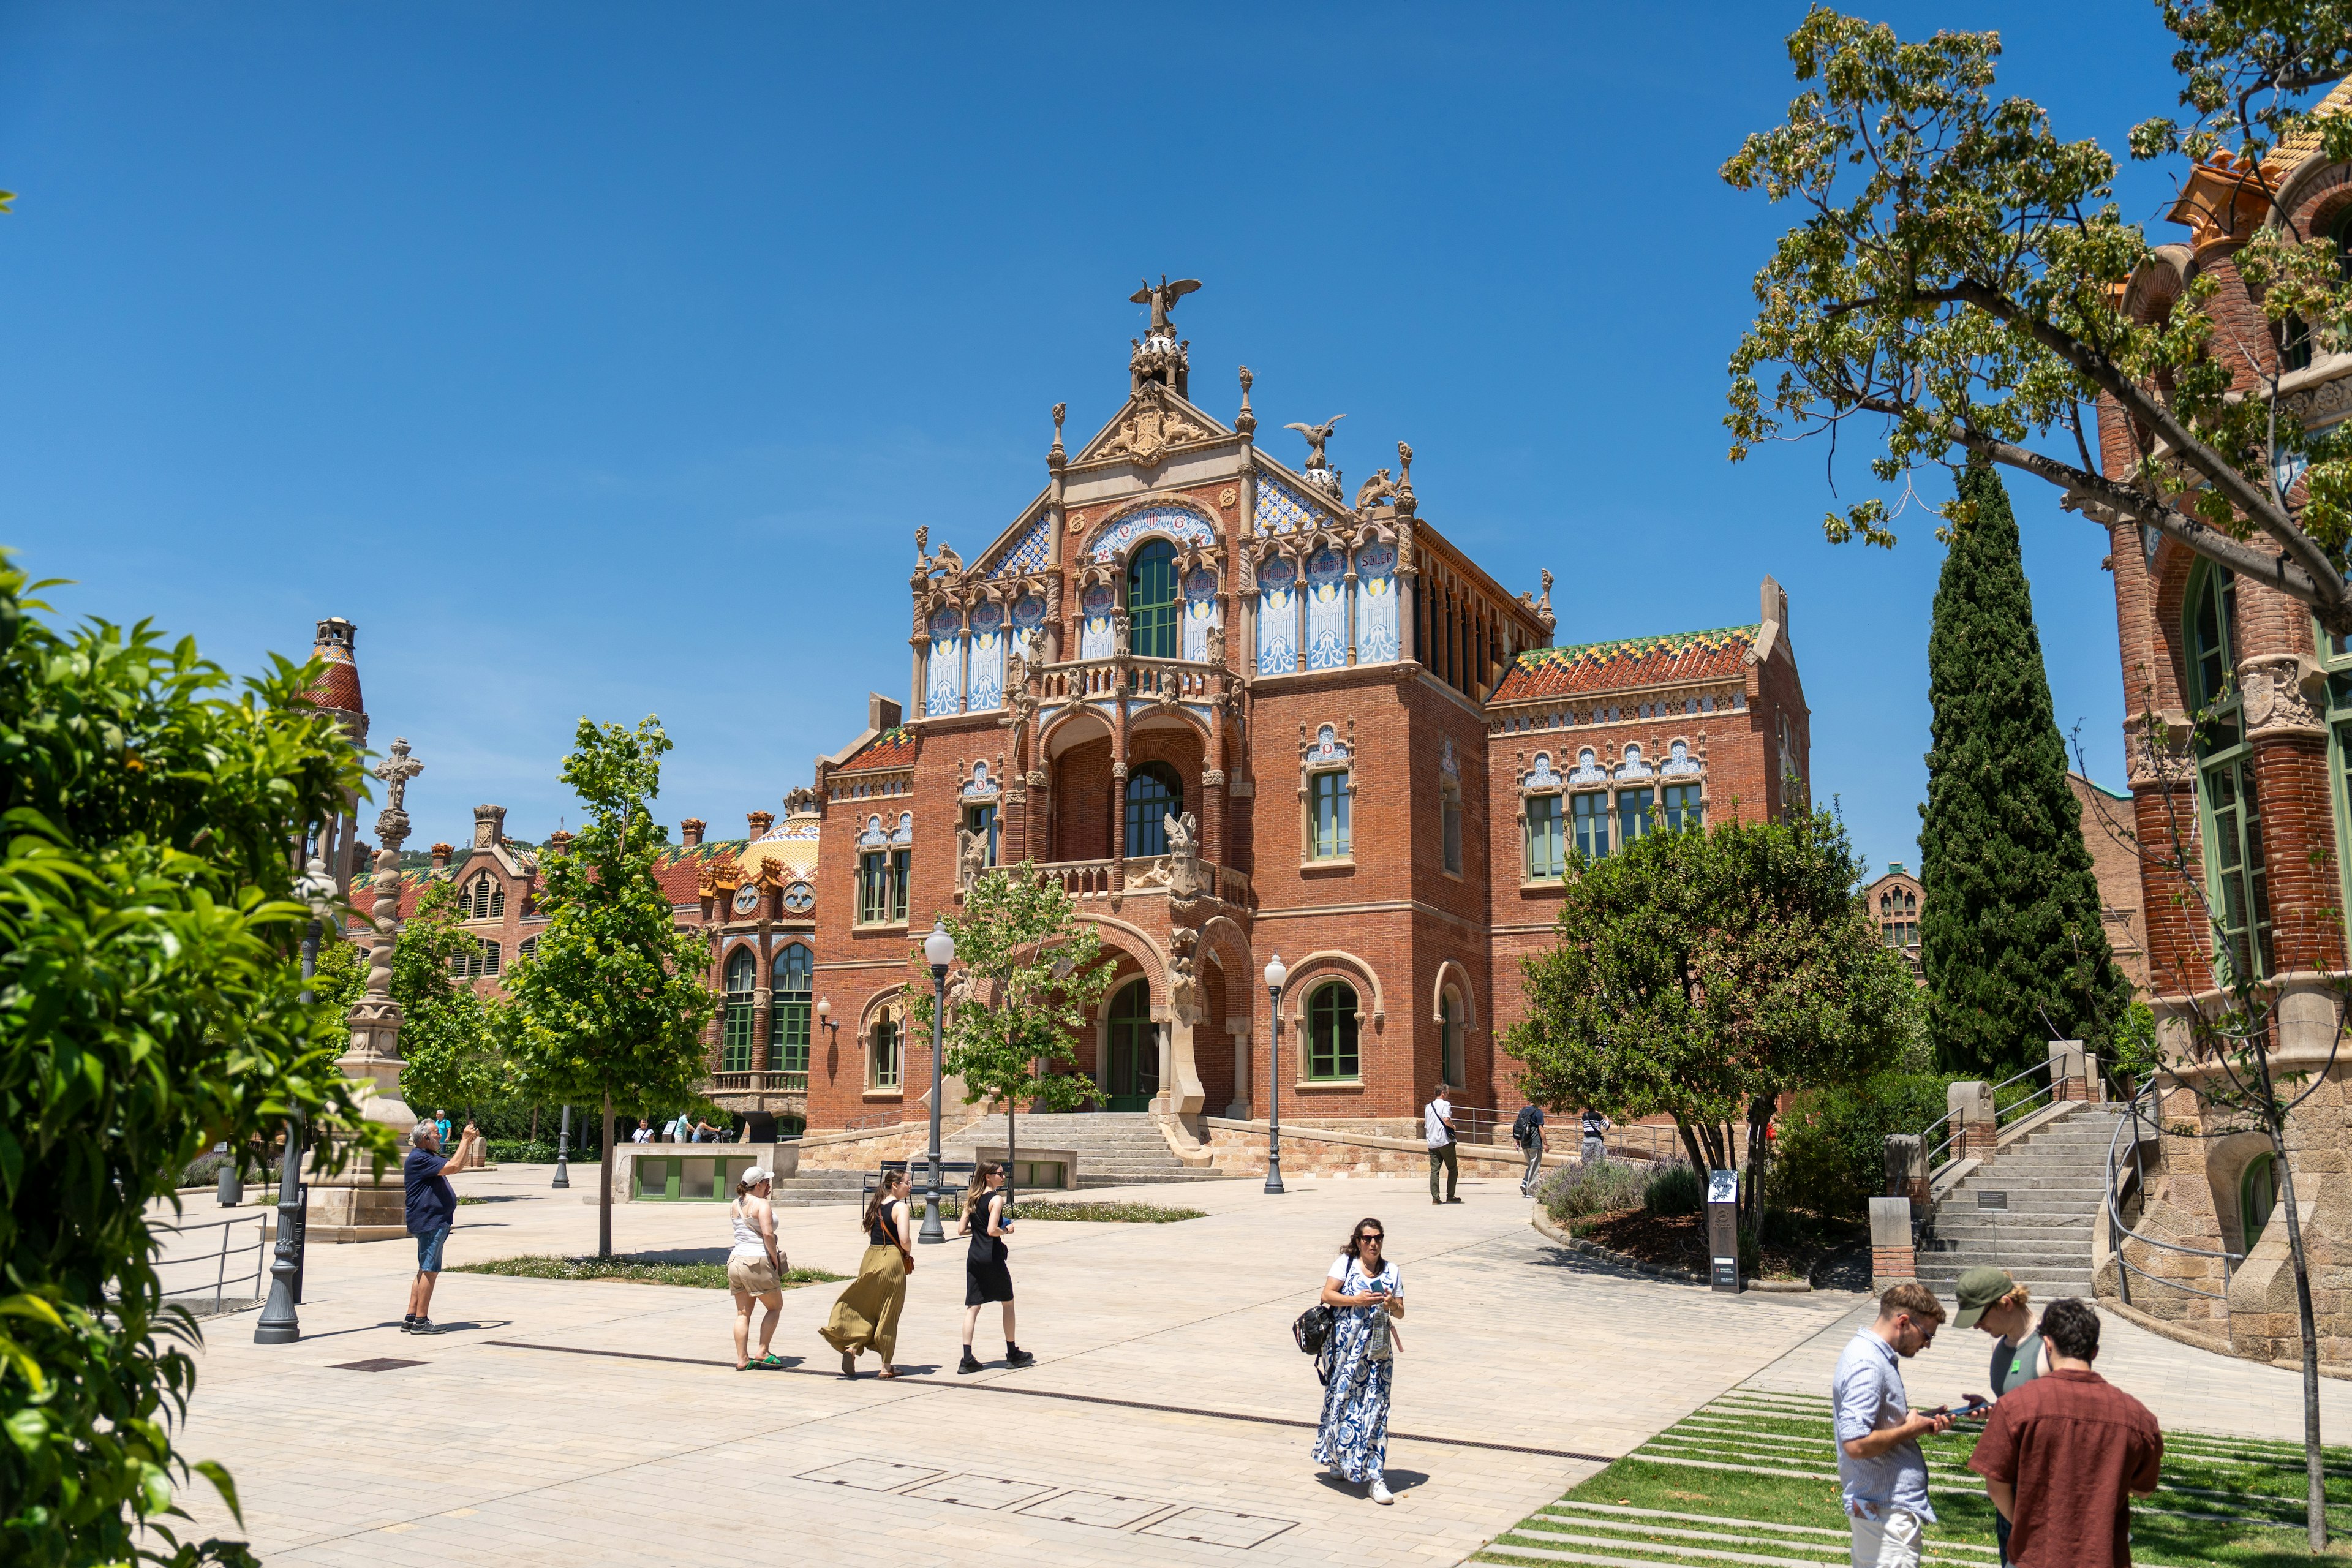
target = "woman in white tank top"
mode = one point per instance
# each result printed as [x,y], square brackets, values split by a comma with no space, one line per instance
[755,1267]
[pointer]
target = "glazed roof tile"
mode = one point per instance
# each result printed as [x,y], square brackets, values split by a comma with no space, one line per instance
[1630,661]
[338,685]
[891,748]
[678,870]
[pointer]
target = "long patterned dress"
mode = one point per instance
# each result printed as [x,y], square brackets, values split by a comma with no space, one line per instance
[1354,1433]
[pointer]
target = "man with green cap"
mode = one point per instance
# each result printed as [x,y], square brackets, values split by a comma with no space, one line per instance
[1993,1302]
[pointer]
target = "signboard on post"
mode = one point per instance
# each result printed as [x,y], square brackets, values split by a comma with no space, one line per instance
[1723,1229]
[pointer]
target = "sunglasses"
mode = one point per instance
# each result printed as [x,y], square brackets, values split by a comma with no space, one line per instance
[1371,1236]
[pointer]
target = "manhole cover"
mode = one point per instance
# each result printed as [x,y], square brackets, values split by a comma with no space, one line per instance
[980,1491]
[374,1363]
[1106,1510]
[1215,1527]
[868,1475]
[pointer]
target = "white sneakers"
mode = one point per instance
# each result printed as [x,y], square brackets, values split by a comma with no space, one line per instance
[1379,1492]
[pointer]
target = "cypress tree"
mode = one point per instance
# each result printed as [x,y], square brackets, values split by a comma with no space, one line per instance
[2010,934]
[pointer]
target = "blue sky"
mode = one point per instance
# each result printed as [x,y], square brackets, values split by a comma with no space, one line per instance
[601,359]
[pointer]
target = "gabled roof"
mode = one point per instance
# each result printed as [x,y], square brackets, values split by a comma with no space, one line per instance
[678,870]
[1630,661]
[893,748]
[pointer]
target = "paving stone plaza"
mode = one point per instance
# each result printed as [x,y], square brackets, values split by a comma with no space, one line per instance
[1169,1418]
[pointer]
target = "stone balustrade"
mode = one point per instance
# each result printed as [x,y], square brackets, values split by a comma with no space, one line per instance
[1108,878]
[1179,680]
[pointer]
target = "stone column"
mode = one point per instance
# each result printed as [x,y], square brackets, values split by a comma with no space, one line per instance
[1892,1258]
[2069,1071]
[357,1204]
[1970,1105]
[1243,1083]
[1906,1170]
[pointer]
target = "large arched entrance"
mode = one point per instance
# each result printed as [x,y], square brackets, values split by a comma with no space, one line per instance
[1133,1071]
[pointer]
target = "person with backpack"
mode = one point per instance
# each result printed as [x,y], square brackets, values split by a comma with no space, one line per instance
[1365,1294]
[1437,1117]
[1527,1133]
[1596,1135]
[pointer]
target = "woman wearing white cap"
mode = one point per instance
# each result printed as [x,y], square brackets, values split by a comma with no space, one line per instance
[755,1266]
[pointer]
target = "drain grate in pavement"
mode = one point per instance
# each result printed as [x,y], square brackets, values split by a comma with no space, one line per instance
[870,1475]
[980,1491]
[1215,1527]
[373,1364]
[1104,1511]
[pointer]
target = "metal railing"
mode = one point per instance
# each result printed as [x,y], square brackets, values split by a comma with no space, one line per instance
[1478,1124]
[217,1258]
[761,1081]
[2118,1232]
[2026,1106]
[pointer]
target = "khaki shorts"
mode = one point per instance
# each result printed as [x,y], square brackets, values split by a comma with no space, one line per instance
[755,1274]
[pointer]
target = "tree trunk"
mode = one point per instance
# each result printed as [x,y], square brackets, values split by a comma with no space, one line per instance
[1690,1145]
[1760,1150]
[605,1186]
[535,1124]
[2312,1454]
[1012,1148]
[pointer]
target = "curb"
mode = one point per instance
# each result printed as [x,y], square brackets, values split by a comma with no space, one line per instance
[1594,1249]
[2211,1343]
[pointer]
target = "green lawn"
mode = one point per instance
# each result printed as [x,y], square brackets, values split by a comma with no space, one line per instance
[698,1276]
[1753,1478]
[1128,1214]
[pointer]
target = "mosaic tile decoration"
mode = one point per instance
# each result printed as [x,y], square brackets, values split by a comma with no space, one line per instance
[1177,521]
[1036,548]
[1281,509]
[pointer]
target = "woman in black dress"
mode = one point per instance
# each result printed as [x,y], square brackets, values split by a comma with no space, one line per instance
[985,1277]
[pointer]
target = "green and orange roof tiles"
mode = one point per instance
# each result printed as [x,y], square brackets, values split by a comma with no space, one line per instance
[1545,672]
[892,747]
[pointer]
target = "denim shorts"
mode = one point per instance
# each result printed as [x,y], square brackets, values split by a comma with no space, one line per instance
[429,1250]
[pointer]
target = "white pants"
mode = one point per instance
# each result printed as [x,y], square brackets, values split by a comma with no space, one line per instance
[1889,1541]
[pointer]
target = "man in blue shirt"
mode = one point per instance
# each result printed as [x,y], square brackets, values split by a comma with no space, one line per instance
[1882,1474]
[432,1205]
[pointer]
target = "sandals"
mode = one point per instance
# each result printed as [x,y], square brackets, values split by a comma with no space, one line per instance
[772,1362]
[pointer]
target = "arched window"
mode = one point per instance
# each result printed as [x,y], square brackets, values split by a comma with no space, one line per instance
[1153,606]
[1450,1064]
[2229,809]
[788,1025]
[882,1065]
[1131,1074]
[735,1044]
[483,901]
[2257,1196]
[1331,1033]
[790,1126]
[1154,794]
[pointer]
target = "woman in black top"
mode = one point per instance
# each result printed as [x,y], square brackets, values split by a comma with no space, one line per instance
[985,1277]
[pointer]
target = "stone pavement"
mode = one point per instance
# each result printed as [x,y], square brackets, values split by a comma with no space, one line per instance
[1169,1418]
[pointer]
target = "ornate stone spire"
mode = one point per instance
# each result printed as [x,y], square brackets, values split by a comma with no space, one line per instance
[1158,356]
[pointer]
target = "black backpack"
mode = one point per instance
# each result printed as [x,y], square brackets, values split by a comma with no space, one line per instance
[1523,1127]
[1312,1330]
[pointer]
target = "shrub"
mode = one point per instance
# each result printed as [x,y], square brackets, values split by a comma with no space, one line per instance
[1593,1186]
[1673,1189]
[1830,1156]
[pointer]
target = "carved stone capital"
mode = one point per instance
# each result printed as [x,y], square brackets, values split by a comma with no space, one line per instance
[2286,694]
[2158,759]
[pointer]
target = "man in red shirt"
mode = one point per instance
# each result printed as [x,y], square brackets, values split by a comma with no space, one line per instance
[2062,1455]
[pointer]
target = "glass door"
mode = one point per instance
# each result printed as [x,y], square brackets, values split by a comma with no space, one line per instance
[1134,1066]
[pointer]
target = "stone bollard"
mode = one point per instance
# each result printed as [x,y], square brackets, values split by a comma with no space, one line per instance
[1906,1170]
[1974,1131]
[1891,1253]
[2069,1073]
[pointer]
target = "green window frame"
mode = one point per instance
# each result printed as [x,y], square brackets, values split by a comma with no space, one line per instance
[735,1042]
[1449,1041]
[884,1063]
[1327,815]
[1635,816]
[2229,807]
[1154,794]
[982,819]
[1153,606]
[1681,807]
[1547,839]
[1589,824]
[2257,1199]
[788,1018]
[882,887]
[1331,1045]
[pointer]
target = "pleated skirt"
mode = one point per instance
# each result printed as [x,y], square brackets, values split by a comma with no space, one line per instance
[866,1318]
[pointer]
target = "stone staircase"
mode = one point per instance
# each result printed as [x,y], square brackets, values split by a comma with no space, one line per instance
[2032,1209]
[1115,1149]
[810,1189]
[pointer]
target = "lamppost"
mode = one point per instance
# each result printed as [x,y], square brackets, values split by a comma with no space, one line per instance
[280,1324]
[938,948]
[564,1151]
[1275,975]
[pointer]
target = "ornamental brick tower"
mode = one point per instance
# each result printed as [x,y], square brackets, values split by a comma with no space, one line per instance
[336,692]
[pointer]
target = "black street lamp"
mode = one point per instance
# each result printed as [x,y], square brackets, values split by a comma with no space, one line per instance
[938,948]
[280,1323]
[1274,976]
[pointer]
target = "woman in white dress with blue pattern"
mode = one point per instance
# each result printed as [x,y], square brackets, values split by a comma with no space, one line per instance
[1365,1292]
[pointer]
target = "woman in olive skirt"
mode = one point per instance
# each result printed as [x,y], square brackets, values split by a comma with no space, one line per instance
[985,1277]
[866,1316]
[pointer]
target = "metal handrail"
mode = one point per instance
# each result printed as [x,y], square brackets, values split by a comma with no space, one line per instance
[2118,1232]
[2018,1112]
[219,1258]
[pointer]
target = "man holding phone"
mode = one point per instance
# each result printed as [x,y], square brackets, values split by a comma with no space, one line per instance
[1882,1474]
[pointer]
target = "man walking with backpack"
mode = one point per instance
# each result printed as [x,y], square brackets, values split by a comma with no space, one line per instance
[1437,1120]
[1596,1135]
[1527,1133]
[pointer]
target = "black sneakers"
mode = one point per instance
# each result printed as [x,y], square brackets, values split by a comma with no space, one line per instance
[407,1323]
[425,1326]
[970,1362]
[1017,1357]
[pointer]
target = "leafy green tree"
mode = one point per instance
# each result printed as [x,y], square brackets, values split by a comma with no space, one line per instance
[449,1037]
[610,1007]
[1039,973]
[148,1006]
[2010,935]
[1956,274]
[1702,975]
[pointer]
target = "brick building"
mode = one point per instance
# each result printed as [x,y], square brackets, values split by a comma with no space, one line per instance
[2245,764]
[1235,711]
[1892,901]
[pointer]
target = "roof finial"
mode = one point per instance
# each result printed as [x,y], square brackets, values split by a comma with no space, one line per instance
[1056,454]
[1246,421]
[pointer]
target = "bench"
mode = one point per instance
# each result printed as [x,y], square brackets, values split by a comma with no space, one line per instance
[918,1172]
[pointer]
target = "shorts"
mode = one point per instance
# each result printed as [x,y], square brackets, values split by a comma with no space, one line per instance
[429,1250]
[986,1282]
[1889,1541]
[755,1274]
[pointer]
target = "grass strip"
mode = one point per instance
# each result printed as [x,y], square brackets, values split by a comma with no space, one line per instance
[1113,1212]
[631,1270]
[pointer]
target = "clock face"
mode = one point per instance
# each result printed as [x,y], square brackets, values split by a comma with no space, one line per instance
[800,898]
[746,899]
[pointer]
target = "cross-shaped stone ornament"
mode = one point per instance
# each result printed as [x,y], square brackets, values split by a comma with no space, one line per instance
[395,771]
